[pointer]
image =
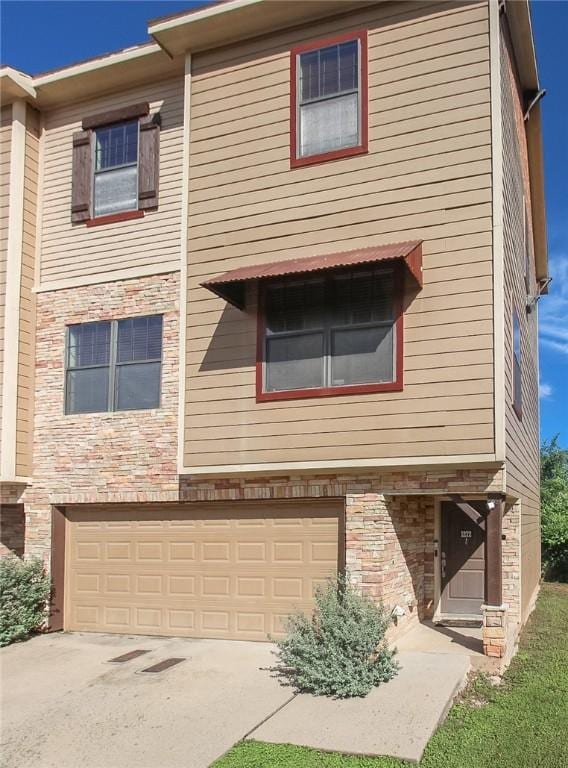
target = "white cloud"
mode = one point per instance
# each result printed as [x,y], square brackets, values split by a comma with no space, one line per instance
[553,308]
[544,390]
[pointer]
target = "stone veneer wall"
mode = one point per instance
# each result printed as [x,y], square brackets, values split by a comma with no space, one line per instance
[390,552]
[11,529]
[409,482]
[127,456]
[511,557]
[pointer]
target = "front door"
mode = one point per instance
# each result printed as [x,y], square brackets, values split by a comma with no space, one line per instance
[462,561]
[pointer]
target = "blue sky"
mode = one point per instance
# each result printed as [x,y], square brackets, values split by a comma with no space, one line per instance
[60,33]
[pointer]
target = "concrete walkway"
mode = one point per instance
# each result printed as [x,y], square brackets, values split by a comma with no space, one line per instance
[435,638]
[397,718]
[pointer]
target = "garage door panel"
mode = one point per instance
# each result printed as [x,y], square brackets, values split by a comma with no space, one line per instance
[234,572]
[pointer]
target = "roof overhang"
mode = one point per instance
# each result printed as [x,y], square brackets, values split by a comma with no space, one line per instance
[123,69]
[226,22]
[15,85]
[520,27]
[231,286]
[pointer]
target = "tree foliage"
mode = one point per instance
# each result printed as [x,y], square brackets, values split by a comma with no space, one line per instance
[554,506]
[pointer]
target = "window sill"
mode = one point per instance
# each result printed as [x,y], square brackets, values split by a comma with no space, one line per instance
[111,414]
[352,389]
[336,154]
[114,217]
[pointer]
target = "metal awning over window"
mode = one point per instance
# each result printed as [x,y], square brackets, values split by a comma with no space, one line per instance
[231,285]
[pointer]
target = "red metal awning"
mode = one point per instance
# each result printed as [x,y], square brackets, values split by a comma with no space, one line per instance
[231,285]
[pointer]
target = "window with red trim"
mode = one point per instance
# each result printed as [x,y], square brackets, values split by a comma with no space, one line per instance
[328,106]
[332,334]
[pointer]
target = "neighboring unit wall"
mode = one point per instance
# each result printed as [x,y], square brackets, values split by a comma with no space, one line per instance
[427,176]
[19,157]
[73,254]
[25,405]
[5,142]
[125,456]
[522,433]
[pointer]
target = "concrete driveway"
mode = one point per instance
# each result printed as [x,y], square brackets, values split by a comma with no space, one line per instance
[64,705]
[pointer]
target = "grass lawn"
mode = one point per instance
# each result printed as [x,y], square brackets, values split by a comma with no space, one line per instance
[521,724]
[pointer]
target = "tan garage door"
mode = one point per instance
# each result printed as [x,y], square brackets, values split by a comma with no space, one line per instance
[231,571]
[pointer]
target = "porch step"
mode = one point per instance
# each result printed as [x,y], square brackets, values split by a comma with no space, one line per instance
[459,621]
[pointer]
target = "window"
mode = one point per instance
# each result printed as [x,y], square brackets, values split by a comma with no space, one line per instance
[333,334]
[115,183]
[113,365]
[116,159]
[329,99]
[517,376]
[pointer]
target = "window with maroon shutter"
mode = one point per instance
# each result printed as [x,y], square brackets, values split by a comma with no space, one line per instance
[81,192]
[148,162]
[116,165]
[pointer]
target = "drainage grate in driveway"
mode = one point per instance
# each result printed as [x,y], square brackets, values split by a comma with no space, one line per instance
[162,665]
[128,656]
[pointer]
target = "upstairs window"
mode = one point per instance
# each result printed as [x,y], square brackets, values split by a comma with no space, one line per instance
[116,168]
[517,374]
[329,99]
[333,334]
[113,365]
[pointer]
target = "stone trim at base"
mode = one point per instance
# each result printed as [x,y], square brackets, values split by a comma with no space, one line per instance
[494,632]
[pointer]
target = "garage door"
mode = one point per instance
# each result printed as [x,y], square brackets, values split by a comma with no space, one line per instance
[229,571]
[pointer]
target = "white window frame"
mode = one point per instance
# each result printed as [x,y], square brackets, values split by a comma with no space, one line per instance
[96,172]
[300,103]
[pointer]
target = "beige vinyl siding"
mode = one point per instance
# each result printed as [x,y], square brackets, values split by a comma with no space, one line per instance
[73,254]
[5,142]
[427,176]
[26,347]
[522,435]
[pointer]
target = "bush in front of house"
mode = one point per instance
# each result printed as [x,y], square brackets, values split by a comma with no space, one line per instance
[24,590]
[340,650]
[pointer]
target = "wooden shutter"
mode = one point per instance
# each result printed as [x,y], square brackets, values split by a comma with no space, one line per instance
[149,162]
[82,173]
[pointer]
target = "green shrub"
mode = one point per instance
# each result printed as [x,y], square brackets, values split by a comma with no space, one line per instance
[554,506]
[24,590]
[340,650]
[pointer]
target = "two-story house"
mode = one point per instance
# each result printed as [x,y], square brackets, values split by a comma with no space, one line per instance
[271,286]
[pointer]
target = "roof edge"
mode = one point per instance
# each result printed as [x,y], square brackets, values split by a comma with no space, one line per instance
[97,62]
[522,38]
[15,84]
[162,23]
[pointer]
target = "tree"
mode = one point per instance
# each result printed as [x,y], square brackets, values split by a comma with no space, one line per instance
[554,506]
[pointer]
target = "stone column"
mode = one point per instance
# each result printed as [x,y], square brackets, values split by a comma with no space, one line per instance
[38,532]
[494,632]
[388,541]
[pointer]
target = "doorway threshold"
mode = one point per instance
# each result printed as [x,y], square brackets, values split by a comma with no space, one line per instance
[458,620]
